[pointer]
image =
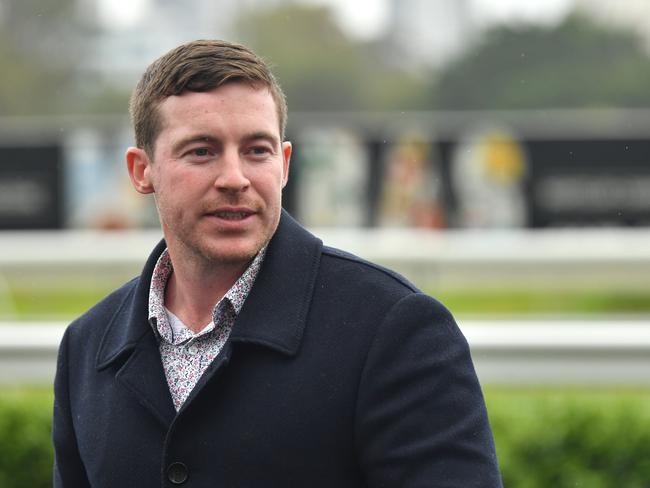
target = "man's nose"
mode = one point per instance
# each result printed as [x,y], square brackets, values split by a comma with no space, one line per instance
[231,176]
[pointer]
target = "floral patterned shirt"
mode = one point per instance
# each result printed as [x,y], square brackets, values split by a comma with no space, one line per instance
[185,354]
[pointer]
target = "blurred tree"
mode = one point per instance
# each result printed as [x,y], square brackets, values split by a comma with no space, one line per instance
[39,52]
[575,64]
[319,67]
[42,49]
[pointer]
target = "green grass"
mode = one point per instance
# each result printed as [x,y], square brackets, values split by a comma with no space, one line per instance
[67,303]
[544,302]
[34,395]
[63,303]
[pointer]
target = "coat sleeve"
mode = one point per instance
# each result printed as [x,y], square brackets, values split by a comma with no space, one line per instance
[421,419]
[68,467]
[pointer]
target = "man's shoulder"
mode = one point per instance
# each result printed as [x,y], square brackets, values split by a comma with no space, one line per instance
[354,271]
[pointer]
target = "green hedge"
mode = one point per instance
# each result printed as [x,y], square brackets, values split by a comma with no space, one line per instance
[545,438]
[25,447]
[568,438]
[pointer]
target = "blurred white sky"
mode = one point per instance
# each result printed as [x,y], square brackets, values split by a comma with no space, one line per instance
[491,11]
[368,18]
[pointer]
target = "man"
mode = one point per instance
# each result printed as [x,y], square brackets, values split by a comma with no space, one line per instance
[248,354]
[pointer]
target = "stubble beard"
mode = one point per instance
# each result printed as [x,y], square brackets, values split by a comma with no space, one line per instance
[208,253]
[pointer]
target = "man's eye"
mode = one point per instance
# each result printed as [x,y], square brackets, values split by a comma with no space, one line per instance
[259,151]
[202,151]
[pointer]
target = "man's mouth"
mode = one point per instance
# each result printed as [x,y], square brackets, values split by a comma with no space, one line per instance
[232,214]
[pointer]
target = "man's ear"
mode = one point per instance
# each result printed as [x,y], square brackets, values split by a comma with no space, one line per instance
[139,166]
[286,156]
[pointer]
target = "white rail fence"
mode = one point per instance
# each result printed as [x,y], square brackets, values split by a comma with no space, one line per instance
[612,351]
[514,352]
[565,258]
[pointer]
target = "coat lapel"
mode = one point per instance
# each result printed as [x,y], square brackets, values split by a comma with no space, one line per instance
[275,312]
[274,315]
[130,339]
[143,376]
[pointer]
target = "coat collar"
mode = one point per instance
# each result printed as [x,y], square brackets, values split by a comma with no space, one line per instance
[274,314]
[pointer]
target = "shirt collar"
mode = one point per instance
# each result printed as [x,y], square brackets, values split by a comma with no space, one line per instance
[235,296]
[238,292]
[290,269]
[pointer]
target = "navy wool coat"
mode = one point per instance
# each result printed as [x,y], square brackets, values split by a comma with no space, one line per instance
[337,373]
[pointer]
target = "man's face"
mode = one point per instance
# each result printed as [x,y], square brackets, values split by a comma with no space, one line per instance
[218,171]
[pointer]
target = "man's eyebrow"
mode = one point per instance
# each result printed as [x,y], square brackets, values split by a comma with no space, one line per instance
[206,138]
[268,136]
[179,145]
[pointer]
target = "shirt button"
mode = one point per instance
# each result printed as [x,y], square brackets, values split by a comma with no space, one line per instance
[177,473]
[193,349]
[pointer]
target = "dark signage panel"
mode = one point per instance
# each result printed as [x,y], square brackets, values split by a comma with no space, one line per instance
[589,182]
[581,182]
[31,187]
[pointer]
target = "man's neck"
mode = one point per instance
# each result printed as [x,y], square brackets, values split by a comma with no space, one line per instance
[193,290]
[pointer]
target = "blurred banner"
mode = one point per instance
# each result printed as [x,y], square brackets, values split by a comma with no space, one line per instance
[411,192]
[330,175]
[425,170]
[487,169]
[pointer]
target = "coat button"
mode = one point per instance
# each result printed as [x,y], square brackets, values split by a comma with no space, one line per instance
[177,473]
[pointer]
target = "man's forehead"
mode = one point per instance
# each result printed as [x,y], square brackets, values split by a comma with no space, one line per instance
[242,96]
[222,90]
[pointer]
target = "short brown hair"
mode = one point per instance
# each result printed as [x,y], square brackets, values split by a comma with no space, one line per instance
[197,66]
